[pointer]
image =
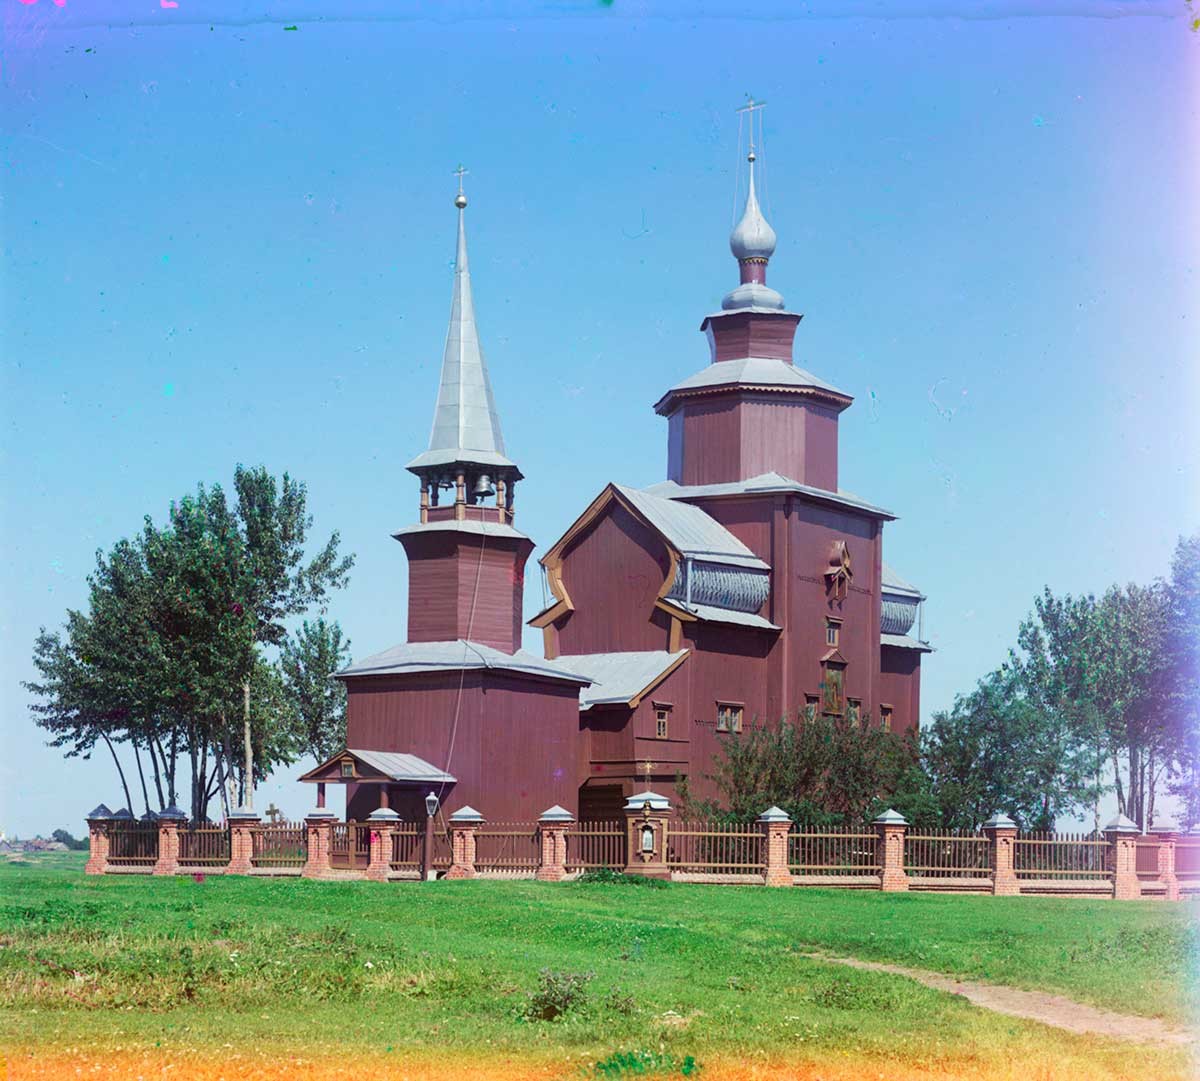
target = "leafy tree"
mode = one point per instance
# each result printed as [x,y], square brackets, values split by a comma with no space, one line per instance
[1183,673]
[317,701]
[277,583]
[823,771]
[63,837]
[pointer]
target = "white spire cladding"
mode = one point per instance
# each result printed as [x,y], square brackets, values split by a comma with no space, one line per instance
[752,240]
[466,428]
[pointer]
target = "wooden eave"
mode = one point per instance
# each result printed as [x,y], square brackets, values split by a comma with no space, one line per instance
[363,773]
[665,405]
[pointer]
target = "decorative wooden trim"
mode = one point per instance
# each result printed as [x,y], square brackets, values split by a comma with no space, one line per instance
[553,559]
[675,634]
[680,614]
[549,641]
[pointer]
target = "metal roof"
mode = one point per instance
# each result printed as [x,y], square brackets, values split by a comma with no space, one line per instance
[411,657]
[695,534]
[893,583]
[762,484]
[402,767]
[712,614]
[750,372]
[618,677]
[487,529]
[466,427]
[904,641]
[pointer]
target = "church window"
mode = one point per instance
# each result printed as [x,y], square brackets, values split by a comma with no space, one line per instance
[661,717]
[833,631]
[885,718]
[811,701]
[853,711]
[729,717]
[347,768]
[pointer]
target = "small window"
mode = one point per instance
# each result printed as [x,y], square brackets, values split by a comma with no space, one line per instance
[833,631]
[347,768]
[661,717]
[811,702]
[885,718]
[853,711]
[729,718]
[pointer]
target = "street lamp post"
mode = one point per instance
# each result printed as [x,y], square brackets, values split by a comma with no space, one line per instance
[431,809]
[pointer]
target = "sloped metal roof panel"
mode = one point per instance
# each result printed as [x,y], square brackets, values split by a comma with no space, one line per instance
[411,657]
[403,767]
[693,532]
[618,677]
[764,483]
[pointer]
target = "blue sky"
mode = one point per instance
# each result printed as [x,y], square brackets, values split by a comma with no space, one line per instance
[227,241]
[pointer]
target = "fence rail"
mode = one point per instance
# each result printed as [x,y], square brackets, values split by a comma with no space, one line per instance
[1060,855]
[204,846]
[508,848]
[280,844]
[408,839]
[133,845]
[596,844]
[833,851]
[947,855]
[715,847]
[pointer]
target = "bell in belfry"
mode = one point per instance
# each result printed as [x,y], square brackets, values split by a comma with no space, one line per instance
[484,487]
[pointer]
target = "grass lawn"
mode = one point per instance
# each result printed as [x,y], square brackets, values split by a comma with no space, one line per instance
[425,975]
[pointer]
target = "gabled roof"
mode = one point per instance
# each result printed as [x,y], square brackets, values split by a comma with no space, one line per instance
[763,484]
[390,765]
[695,534]
[622,678]
[413,657]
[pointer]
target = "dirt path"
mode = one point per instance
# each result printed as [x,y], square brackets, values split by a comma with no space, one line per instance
[1055,1010]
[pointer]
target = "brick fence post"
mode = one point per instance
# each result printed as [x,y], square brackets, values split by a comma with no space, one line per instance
[463,825]
[776,826]
[553,825]
[97,822]
[382,823]
[1121,858]
[169,822]
[1001,832]
[242,824]
[1166,836]
[646,817]
[891,827]
[317,826]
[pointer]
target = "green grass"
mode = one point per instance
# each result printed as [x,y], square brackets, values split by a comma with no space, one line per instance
[685,970]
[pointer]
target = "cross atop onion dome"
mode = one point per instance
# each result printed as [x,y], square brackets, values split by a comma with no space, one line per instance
[752,242]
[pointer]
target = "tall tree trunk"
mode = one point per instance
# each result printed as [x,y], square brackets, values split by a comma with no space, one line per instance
[120,772]
[249,778]
[1135,783]
[1121,807]
[150,746]
[195,774]
[231,794]
[1153,784]
[171,788]
[137,758]
[202,788]
[222,769]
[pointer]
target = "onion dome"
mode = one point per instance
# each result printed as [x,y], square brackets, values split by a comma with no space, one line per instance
[752,243]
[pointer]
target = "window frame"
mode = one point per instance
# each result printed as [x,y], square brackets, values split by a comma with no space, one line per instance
[833,632]
[735,712]
[662,722]
[886,715]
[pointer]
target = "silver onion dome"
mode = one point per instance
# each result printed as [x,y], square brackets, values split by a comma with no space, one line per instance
[752,237]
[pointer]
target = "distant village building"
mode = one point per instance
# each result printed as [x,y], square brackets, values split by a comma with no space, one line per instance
[745,588]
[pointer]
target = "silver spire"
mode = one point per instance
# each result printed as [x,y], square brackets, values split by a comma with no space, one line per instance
[466,427]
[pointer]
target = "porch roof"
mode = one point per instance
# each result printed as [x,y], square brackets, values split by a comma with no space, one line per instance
[378,767]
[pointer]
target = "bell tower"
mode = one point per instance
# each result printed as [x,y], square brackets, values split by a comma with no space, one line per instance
[752,410]
[466,562]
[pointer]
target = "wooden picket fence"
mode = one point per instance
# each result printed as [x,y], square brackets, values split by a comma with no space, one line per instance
[508,849]
[596,844]
[133,844]
[204,846]
[833,852]
[1060,855]
[942,858]
[279,845]
[715,848]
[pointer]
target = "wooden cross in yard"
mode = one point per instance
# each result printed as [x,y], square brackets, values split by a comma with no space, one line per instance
[273,812]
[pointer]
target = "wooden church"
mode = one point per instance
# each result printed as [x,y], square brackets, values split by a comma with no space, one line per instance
[744,588]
